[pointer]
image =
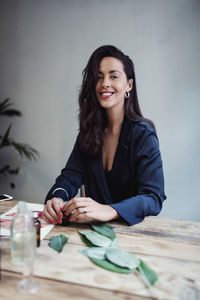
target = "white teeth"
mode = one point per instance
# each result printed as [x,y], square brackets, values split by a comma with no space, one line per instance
[106,94]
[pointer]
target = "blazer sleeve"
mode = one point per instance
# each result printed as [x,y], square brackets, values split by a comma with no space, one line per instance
[71,178]
[147,164]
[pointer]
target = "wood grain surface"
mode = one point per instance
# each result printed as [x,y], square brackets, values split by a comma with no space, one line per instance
[171,247]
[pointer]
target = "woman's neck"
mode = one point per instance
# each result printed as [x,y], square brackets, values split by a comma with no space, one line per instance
[115,120]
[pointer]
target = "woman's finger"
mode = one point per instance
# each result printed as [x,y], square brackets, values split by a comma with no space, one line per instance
[47,217]
[52,210]
[43,216]
[85,218]
[57,206]
[76,212]
[76,200]
[73,205]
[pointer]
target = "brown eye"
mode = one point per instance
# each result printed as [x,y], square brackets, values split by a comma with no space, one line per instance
[114,76]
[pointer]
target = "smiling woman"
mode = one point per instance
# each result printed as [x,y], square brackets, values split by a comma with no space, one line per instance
[116,155]
[112,84]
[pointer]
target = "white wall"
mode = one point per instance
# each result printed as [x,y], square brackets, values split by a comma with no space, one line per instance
[45,45]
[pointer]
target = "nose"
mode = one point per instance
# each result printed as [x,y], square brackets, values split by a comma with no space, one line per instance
[106,82]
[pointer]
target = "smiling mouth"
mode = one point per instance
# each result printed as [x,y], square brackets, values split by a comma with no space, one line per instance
[106,94]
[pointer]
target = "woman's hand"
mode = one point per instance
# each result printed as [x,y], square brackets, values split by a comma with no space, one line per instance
[52,212]
[86,210]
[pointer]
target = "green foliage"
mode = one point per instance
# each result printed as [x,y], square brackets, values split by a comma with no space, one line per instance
[58,242]
[95,252]
[5,109]
[108,256]
[24,150]
[110,266]
[105,229]
[122,258]
[85,240]
[147,273]
[96,239]
[114,243]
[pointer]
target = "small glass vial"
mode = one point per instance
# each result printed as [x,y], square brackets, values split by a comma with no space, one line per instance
[37,224]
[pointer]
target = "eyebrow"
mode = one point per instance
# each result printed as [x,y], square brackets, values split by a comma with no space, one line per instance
[110,72]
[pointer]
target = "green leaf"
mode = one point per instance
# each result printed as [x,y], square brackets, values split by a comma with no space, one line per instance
[114,243]
[95,252]
[122,258]
[86,241]
[96,239]
[7,169]
[4,105]
[84,232]
[26,151]
[57,242]
[5,140]
[110,266]
[148,274]
[105,229]
[6,111]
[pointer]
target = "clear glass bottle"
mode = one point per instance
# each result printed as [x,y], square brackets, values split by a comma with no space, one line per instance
[37,224]
[23,247]
[23,242]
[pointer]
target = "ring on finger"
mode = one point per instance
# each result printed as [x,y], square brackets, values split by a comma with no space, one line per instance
[84,209]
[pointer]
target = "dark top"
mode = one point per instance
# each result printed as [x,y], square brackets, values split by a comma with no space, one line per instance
[110,182]
[136,183]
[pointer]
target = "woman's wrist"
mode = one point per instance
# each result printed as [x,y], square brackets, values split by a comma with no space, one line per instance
[112,212]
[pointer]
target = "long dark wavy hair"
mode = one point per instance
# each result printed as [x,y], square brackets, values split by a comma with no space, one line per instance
[92,117]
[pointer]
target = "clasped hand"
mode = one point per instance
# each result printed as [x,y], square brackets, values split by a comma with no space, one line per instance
[79,209]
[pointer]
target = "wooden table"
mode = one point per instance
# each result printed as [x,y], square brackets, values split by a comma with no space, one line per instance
[171,247]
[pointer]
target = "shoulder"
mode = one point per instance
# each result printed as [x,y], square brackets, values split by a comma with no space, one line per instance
[142,135]
[140,128]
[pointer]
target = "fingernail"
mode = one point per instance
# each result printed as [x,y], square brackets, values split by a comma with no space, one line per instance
[65,213]
[76,219]
[59,221]
[63,207]
[60,215]
[54,222]
[39,214]
[70,219]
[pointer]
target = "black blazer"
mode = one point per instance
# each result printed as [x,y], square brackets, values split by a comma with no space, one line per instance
[136,177]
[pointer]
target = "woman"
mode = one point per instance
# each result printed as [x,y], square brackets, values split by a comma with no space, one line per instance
[116,155]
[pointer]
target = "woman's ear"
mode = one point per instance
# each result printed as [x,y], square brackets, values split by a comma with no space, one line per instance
[130,84]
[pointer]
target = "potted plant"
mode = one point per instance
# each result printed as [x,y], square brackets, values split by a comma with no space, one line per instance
[23,149]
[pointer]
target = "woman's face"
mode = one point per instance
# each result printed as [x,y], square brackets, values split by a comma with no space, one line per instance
[112,83]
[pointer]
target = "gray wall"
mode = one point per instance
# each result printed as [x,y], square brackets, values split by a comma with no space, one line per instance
[45,45]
